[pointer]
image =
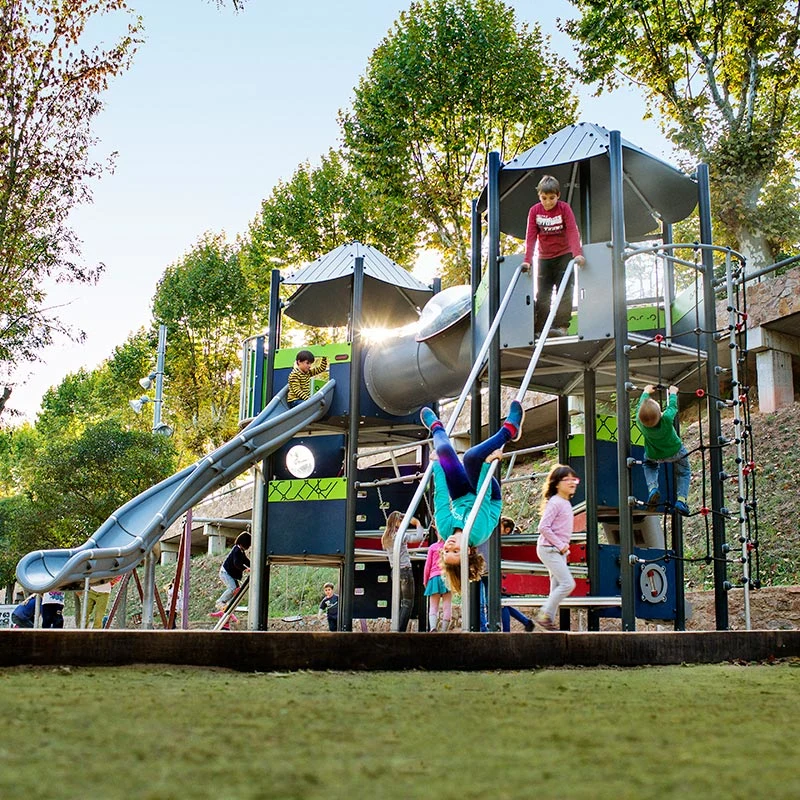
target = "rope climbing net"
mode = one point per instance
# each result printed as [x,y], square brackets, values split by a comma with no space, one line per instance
[724,449]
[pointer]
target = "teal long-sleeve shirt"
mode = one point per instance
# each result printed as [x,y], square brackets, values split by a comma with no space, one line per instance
[452,514]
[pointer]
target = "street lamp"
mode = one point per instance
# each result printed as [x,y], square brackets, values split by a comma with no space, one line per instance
[137,405]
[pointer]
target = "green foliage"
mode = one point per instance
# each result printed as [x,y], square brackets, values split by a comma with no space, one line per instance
[210,303]
[725,79]
[321,208]
[453,80]
[51,79]
[74,484]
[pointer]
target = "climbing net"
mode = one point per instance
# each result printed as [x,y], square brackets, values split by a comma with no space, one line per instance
[724,448]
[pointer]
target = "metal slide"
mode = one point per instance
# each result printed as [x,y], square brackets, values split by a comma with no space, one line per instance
[124,539]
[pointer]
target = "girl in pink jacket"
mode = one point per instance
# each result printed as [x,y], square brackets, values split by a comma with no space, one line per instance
[555,531]
[436,589]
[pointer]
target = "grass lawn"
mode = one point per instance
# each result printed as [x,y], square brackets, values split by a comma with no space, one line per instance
[720,731]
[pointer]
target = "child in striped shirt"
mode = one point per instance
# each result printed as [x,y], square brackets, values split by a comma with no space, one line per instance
[301,375]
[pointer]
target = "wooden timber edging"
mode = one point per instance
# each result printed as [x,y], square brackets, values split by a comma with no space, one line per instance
[288,651]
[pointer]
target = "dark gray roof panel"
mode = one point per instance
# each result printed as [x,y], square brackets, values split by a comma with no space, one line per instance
[392,296]
[338,263]
[653,190]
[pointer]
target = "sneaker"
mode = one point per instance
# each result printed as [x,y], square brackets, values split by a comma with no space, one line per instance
[514,420]
[654,498]
[217,613]
[682,508]
[529,626]
[429,418]
[545,623]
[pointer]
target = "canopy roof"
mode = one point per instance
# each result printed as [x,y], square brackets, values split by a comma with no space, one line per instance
[392,296]
[652,189]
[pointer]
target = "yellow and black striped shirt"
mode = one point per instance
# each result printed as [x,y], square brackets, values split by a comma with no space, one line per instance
[300,382]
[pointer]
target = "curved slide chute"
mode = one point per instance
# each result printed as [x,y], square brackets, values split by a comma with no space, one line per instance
[124,539]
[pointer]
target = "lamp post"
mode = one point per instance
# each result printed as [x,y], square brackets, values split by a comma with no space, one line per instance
[147,382]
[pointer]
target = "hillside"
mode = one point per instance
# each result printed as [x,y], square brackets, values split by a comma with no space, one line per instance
[776,443]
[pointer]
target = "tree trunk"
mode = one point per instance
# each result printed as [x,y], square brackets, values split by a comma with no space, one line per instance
[755,248]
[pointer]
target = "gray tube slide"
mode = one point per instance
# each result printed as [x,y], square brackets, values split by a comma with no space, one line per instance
[124,539]
[413,368]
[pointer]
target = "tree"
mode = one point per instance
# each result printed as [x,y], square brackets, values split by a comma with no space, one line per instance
[51,78]
[209,307]
[320,209]
[90,396]
[76,483]
[452,81]
[725,77]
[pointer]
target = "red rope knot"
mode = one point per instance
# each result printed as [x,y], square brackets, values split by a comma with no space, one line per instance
[705,511]
[700,392]
[658,338]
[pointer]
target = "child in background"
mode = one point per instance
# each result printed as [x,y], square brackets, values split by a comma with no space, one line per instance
[456,486]
[552,223]
[555,532]
[53,609]
[436,589]
[507,527]
[23,615]
[231,572]
[663,445]
[406,576]
[301,375]
[330,606]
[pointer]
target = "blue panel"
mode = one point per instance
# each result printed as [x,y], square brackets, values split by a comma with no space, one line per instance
[373,591]
[313,527]
[396,497]
[609,584]
[329,455]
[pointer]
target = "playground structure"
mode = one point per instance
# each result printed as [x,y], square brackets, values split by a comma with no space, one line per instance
[316,505]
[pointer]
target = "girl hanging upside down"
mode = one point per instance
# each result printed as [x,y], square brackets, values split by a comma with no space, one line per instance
[456,487]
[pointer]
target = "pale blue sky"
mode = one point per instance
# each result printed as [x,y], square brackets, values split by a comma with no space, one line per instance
[216,109]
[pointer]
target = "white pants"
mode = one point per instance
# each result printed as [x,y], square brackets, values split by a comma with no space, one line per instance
[561,581]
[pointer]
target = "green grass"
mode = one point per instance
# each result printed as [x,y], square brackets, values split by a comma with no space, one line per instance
[173,732]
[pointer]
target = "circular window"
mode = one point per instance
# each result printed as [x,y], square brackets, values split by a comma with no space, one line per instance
[300,461]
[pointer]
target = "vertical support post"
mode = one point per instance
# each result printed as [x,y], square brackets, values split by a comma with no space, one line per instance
[471,599]
[590,488]
[148,591]
[187,561]
[122,604]
[712,390]
[562,423]
[585,177]
[348,572]
[475,280]
[493,422]
[621,358]
[258,603]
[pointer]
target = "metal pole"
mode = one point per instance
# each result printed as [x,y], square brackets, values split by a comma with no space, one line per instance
[162,347]
[621,358]
[712,379]
[187,557]
[258,603]
[148,591]
[590,484]
[493,376]
[348,572]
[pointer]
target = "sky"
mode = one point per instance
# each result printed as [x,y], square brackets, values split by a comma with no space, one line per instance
[216,109]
